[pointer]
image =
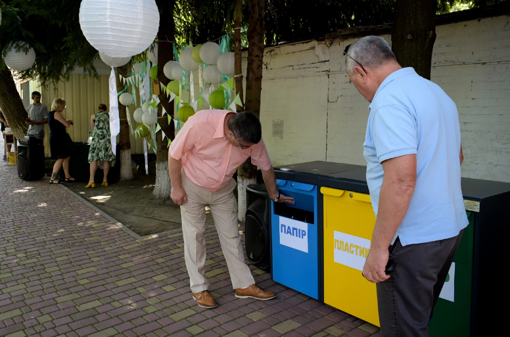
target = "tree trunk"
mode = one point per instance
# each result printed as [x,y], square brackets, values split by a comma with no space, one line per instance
[414,33]
[126,170]
[238,17]
[11,105]
[247,173]
[166,36]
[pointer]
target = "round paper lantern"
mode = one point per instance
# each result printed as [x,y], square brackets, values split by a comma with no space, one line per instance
[186,60]
[212,75]
[217,99]
[226,63]
[144,130]
[119,28]
[145,106]
[167,69]
[177,72]
[114,61]
[210,52]
[138,115]
[20,60]
[137,68]
[185,112]
[196,53]
[125,98]
[174,87]
[153,54]
[153,73]
[149,118]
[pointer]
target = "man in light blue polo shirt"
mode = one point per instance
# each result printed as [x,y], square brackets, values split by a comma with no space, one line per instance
[37,116]
[413,149]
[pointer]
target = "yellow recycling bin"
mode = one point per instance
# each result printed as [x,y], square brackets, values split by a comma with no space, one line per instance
[348,225]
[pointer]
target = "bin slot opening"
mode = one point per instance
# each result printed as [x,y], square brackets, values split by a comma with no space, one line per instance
[294,213]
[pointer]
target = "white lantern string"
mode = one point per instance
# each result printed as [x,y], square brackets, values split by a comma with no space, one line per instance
[114,111]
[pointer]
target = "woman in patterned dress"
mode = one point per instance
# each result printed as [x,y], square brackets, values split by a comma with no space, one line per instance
[101,146]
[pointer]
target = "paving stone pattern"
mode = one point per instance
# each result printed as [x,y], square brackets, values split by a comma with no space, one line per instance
[66,270]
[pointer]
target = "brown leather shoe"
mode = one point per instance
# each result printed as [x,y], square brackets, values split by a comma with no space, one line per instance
[255,292]
[205,300]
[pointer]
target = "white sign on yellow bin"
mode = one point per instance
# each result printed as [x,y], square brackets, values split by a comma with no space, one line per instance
[294,234]
[351,250]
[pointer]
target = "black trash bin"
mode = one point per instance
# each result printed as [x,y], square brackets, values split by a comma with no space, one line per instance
[258,226]
[30,158]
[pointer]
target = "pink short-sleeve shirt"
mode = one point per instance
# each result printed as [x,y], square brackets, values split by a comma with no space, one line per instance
[208,158]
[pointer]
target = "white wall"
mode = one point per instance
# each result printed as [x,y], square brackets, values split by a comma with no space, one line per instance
[305,86]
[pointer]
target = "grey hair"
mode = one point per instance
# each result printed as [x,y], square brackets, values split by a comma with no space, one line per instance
[370,51]
[246,127]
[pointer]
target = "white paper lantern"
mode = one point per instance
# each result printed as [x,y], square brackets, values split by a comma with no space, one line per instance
[137,68]
[125,98]
[114,61]
[226,63]
[149,118]
[153,55]
[212,75]
[20,60]
[210,52]
[186,60]
[167,69]
[177,72]
[119,28]
[145,107]
[138,115]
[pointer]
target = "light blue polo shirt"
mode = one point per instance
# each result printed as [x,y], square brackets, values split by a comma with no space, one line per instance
[411,115]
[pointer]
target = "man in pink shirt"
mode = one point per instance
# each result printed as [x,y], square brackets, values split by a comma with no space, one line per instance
[202,160]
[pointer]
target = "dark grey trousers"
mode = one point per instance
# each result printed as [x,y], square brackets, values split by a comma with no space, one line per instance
[407,298]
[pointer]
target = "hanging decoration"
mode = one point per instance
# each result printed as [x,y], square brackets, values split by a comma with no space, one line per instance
[212,75]
[174,87]
[126,99]
[153,73]
[167,69]
[226,63]
[217,99]
[21,59]
[149,118]
[114,61]
[210,52]
[177,72]
[138,115]
[185,112]
[196,53]
[145,107]
[137,68]
[119,28]
[143,130]
[153,54]
[186,60]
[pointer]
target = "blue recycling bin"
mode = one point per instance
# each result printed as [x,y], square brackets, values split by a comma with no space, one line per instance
[295,239]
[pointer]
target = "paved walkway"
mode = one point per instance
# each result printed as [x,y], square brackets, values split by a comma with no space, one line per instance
[67,270]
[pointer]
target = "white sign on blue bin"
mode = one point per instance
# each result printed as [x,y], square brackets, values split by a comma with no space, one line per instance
[294,234]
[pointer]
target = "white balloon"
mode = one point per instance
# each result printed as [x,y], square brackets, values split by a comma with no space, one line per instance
[177,72]
[20,60]
[149,118]
[186,60]
[137,68]
[212,75]
[153,54]
[167,69]
[210,52]
[226,63]
[114,61]
[138,115]
[126,98]
[145,107]
[119,28]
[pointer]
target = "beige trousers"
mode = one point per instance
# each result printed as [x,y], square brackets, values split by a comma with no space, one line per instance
[223,207]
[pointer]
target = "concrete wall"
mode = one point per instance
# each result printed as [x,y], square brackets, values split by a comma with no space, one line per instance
[307,91]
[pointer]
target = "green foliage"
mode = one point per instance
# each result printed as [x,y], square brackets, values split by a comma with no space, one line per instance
[52,28]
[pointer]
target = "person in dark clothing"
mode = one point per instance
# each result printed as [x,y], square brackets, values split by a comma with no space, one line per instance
[59,139]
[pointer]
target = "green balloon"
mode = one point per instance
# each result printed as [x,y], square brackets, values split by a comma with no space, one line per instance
[185,112]
[217,99]
[144,130]
[153,73]
[195,53]
[174,87]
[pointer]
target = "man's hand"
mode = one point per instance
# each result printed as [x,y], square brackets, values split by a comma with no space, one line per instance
[30,122]
[286,199]
[178,195]
[375,266]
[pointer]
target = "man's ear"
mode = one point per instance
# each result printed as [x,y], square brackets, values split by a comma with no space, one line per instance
[358,71]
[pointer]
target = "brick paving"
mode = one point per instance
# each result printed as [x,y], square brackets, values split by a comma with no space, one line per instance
[68,270]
